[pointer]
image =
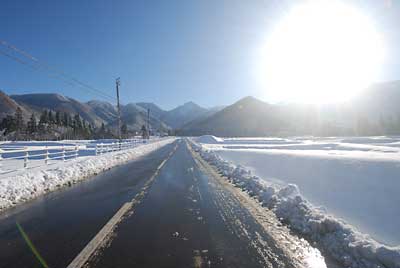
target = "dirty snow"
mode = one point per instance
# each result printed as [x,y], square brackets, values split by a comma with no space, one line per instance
[354,175]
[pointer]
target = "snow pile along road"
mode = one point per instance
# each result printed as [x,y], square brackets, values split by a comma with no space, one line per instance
[25,186]
[209,139]
[340,240]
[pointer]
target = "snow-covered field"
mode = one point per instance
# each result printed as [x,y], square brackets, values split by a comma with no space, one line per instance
[25,184]
[343,192]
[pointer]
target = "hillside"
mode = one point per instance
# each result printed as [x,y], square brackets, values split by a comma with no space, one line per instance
[105,110]
[135,117]
[56,102]
[7,105]
[155,111]
[379,100]
[183,114]
[95,112]
[376,111]
[247,117]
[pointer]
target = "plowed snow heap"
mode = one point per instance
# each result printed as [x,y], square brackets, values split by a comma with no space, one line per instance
[209,139]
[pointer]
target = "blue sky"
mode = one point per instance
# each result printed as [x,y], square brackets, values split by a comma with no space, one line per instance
[166,52]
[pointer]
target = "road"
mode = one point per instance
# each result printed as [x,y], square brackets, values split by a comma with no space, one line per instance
[184,218]
[61,223]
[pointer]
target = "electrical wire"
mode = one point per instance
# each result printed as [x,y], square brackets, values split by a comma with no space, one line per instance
[51,71]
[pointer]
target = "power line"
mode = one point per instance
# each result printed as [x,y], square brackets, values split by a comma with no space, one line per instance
[54,73]
[31,66]
[54,70]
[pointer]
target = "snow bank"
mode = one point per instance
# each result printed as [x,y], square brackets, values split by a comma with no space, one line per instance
[259,140]
[209,139]
[338,239]
[25,186]
[374,140]
[362,188]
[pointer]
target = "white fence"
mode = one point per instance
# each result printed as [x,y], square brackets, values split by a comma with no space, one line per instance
[102,148]
[13,158]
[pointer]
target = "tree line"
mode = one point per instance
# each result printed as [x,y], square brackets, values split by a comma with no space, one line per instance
[50,125]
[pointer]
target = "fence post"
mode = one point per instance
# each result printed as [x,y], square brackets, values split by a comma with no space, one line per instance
[101,148]
[26,159]
[63,153]
[76,151]
[1,164]
[95,152]
[46,160]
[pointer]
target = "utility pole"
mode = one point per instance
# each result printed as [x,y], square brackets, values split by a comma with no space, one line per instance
[148,122]
[117,84]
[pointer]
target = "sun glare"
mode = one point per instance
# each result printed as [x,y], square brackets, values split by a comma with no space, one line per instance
[321,52]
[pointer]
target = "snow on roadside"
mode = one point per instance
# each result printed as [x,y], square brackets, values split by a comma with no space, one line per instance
[340,240]
[209,139]
[28,185]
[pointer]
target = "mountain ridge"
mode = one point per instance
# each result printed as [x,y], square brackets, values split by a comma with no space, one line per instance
[374,112]
[97,112]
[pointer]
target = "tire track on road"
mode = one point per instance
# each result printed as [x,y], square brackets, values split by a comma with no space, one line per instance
[105,235]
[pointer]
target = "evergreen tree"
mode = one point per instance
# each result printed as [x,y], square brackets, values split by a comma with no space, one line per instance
[78,122]
[32,125]
[51,117]
[58,118]
[124,129]
[8,124]
[19,121]
[144,132]
[65,121]
[44,119]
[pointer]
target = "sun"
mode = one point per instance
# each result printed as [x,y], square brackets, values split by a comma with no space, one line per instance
[321,52]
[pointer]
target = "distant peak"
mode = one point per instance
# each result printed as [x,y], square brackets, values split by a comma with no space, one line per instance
[41,96]
[190,103]
[248,99]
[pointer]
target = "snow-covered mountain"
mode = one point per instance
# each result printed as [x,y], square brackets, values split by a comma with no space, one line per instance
[98,112]
[7,105]
[155,111]
[135,117]
[104,110]
[183,114]
[374,112]
[379,100]
[247,117]
[57,102]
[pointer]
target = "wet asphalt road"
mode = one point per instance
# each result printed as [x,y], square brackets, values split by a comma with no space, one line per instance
[61,223]
[186,219]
